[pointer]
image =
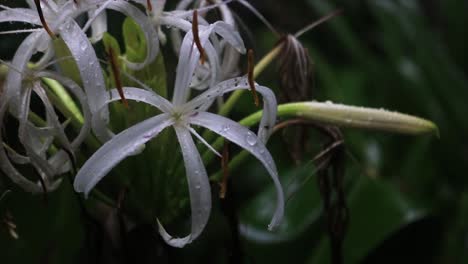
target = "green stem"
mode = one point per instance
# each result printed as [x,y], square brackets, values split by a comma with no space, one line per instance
[65,104]
[342,116]
[66,100]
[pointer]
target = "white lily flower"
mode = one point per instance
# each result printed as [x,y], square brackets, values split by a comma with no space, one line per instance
[182,115]
[60,17]
[37,140]
[223,55]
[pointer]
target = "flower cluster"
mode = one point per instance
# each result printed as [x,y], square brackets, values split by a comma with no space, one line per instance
[207,57]
[56,69]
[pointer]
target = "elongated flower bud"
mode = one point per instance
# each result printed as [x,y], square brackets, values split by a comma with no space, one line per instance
[359,117]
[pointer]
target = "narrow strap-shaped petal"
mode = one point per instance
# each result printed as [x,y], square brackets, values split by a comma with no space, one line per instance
[204,100]
[20,15]
[10,170]
[53,118]
[151,35]
[40,163]
[76,91]
[249,141]
[117,149]
[6,165]
[188,60]
[214,68]
[90,71]
[229,34]
[15,156]
[199,190]
[134,94]
[23,54]
[98,26]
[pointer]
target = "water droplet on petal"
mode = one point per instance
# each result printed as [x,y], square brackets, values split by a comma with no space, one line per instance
[251,139]
[226,128]
[83,45]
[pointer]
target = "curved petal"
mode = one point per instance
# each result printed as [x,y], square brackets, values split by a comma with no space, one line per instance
[98,26]
[76,91]
[23,54]
[204,100]
[19,15]
[248,141]
[199,190]
[151,35]
[90,71]
[117,149]
[131,93]
[10,170]
[189,55]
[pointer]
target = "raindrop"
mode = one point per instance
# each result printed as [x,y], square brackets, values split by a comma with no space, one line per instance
[251,139]
[225,128]
[83,45]
[197,187]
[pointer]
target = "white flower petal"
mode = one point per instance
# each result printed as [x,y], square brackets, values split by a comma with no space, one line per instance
[151,35]
[98,26]
[90,71]
[249,141]
[19,15]
[76,91]
[23,54]
[199,190]
[204,100]
[6,165]
[117,149]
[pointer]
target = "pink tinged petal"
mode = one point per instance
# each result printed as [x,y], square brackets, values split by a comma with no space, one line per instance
[249,141]
[117,149]
[199,190]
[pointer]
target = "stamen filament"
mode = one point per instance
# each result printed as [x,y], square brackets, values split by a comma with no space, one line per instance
[42,18]
[149,5]
[318,22]
[250,75]
[116,74]
[196,36]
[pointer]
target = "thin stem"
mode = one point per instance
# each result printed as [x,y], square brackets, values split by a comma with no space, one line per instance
[66,100]
[259,68]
